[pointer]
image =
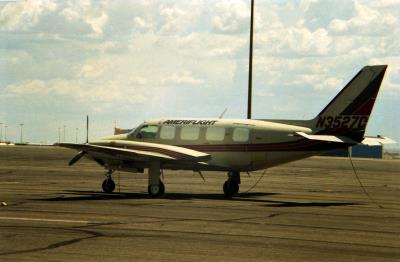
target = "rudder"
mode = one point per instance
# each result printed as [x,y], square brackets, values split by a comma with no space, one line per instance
[348,113]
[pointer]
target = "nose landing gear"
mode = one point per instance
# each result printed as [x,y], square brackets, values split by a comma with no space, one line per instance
[156,187]
[156,190]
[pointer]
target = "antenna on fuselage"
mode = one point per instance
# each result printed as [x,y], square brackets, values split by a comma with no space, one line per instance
[223,113]
[249,94]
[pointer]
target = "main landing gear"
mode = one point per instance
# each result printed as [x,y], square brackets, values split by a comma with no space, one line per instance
[155,188]
[108,183]
[231,186]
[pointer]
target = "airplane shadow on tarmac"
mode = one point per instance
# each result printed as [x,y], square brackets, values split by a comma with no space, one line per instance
[249,197]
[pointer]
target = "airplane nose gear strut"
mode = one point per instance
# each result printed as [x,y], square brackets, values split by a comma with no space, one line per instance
[108,183]
[156,186]
[231,186]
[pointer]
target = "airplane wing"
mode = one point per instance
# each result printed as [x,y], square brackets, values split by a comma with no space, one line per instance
[136,151]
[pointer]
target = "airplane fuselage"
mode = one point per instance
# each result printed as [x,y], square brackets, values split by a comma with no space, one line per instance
[233,144]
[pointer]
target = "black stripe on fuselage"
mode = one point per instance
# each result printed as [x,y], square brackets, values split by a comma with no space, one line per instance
[297,145]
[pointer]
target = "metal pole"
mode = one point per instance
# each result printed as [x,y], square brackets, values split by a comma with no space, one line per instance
[21,139]
[249,94]
[5,133]
[87,129]
[59,135]
[1,132]
[64,133]
[76,136]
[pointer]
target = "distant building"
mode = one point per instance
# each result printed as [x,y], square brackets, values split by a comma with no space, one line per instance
[362,151]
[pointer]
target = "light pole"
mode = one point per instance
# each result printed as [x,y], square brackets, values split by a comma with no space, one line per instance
[22,125]
[64,132]
[5,133]
[59,135]
[76,135]
[1,132]
[250,86]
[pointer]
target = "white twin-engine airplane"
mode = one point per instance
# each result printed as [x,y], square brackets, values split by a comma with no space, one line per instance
[237,145]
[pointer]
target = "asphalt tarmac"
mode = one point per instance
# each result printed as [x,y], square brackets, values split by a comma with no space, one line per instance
[310,210]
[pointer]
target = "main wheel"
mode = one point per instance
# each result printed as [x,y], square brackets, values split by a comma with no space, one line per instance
[108,185]
[155,191]
[230,188]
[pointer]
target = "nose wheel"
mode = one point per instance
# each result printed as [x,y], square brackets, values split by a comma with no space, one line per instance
[156,187]
[156,190]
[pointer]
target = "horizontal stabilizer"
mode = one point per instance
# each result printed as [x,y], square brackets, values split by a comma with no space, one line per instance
[328,138]
[377,141]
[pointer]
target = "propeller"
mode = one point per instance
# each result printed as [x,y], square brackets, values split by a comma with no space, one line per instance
[76,158]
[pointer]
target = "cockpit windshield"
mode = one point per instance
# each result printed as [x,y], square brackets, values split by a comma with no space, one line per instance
[147,131]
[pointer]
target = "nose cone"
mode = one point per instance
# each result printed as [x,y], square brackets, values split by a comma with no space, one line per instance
[116,137]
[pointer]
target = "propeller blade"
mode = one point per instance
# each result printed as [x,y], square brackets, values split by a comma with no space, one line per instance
[76,158]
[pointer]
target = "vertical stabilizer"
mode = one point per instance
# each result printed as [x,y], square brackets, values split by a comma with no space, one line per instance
[348,113]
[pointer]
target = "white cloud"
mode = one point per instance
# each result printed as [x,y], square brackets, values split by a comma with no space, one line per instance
[329,83]
[90,71]
[70,14]
[392,79]
[27,88]
[97,22]
[231,17]
[142,24]
[22,15]
[209,45]
[93,14]
[184,78]
[367,21]
[305,4]
[295,40]
[99,95]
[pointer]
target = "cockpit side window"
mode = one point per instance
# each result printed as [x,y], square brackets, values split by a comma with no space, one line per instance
[167,132]
[147,132]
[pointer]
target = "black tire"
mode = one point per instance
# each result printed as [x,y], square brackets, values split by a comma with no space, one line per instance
[235,187]
[108,185]
[230,188]
[162,188]
[156,191]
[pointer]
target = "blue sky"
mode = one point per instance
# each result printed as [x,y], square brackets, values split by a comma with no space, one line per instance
[133,60]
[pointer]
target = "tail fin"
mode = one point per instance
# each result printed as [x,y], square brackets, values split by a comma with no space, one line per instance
[348,113]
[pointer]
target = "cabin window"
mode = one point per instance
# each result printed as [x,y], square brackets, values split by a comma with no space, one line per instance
[241,134]
[215,133]
[167,132]
[147,131]
[190,132]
